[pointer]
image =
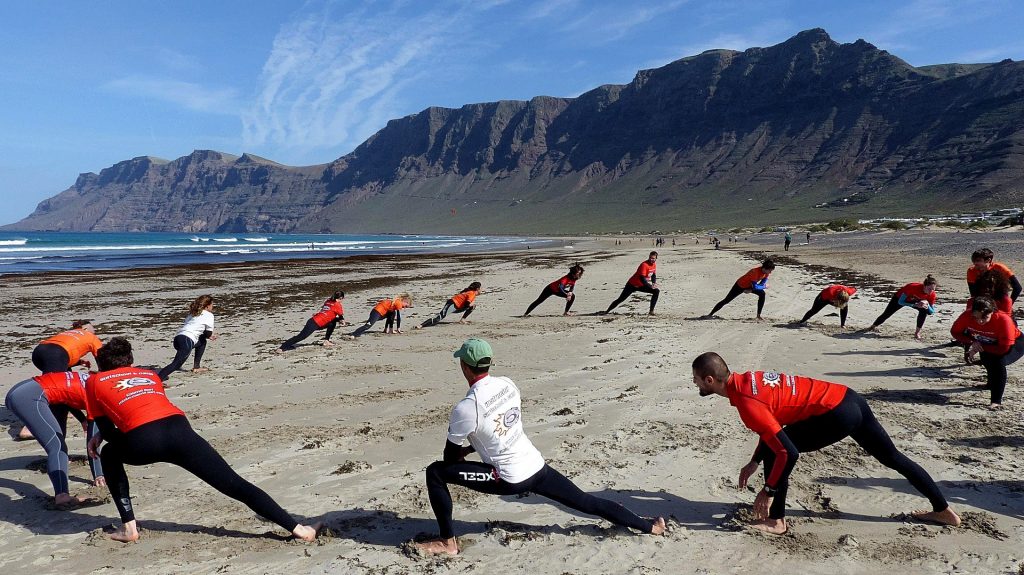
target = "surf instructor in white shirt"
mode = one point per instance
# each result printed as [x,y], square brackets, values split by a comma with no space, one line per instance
[490,418]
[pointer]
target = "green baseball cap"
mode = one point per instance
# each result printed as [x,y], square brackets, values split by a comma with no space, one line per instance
[475,353]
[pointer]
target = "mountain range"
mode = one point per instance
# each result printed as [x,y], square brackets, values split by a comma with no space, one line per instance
[806,130]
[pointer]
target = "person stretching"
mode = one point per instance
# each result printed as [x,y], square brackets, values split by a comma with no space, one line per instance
[644,280]
[460,302]
[142,427]
[982,261]
[754,281]
[331,314]
[490,417]
[42,404]
[198,328]
[920,296]
[836,295]
[794,414]
[563,288]
[990,333]
[389,310]
[994,284]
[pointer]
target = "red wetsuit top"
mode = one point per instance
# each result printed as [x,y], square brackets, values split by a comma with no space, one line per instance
[1003,304]
[830,293]
[766,401]
[129,396]
[566,284]
[752,277]
[915,293]
[996,336]
[973,273]
[77,342]
[464,299]
[331,310]
[386,306]
[65,388]
[646,271]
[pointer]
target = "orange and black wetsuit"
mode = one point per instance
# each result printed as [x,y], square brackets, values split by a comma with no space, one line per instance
[755,280]
[794,414]
[825,298]
[908,296]
[1001,345]
[562,287]
[388,309]
[330,315]
[642,280]
[462,301]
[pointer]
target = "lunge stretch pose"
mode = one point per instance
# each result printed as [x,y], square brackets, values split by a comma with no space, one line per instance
[461,302]
[794,414]
[983,260]
[331,314]
[754,281]
[60,353]
[390,310]
[141,427]
[562,288]
[490,417]
[198,328]
[645,280]
[990,335]
[835,295]
[919,296]
[42,404]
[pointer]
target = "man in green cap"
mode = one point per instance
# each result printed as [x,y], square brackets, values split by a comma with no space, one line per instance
[490,418]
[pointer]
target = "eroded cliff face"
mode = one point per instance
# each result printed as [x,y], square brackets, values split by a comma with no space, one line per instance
[719,138]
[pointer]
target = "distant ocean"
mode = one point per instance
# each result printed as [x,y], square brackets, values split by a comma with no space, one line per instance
[30,252]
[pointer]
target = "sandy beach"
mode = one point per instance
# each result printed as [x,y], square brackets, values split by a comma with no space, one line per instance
[343,434]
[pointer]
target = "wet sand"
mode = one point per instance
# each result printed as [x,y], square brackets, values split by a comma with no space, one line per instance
[344,433]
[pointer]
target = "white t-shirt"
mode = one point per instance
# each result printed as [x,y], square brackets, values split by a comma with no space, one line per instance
[196,325]
[490,417]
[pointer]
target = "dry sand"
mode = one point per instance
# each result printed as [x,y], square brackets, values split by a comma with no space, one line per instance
[345,433]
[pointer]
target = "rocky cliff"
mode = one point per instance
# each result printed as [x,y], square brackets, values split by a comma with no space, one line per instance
[721,138]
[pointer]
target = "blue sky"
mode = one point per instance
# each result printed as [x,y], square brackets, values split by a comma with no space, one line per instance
[84,85]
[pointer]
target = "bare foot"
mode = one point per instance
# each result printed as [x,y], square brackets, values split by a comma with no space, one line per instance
[773,526]
[464,321]
[917,335]
[659,527]
[66,501]
[281,350]
[439,547]
[100,481]
[200,369]
[525,315]
[307,533]
[327,343]
[758,318]
[994,406]
[568,313]
[420,326]
[348,337]
[650,313]
[25,433]
[945,517]
[128,533]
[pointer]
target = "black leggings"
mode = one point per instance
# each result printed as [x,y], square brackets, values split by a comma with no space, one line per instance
[893,307]
[389,321]
[308,329]
[172,440]
[449,306]
[548,292]
[995,368]
[735,291]
[50,358]
[853,418]
[819,304]
[547,482]
[629,290]
[184,346]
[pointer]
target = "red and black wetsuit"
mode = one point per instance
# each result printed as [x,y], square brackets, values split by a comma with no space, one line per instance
[826,297]
[562,287]
[908,296]
[1001,345]
[642,280]
[329,316]
[755,280]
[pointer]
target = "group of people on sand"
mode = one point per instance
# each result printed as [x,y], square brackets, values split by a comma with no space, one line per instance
[129,419]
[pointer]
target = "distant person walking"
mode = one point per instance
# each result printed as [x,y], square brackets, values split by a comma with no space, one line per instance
[754,281]
[808,237]
[835,295]
[789,239]
[917,295]
[562,288]
[198,328]
[331,315]
[462,302]
[645,280]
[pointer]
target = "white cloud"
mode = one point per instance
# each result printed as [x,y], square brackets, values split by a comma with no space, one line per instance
[610,23]
[188,95]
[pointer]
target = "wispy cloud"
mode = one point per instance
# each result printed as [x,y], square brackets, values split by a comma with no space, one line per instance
[187,95]
[608,23]
[333,79]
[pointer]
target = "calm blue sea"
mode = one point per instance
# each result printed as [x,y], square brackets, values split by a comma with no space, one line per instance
[63,251]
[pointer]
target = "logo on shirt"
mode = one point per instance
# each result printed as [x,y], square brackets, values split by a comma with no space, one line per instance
[131,382]
[505,421]
[770,378]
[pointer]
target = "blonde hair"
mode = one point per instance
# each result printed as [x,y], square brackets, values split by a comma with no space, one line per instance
[841,300]
[405,296]
[199,304]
